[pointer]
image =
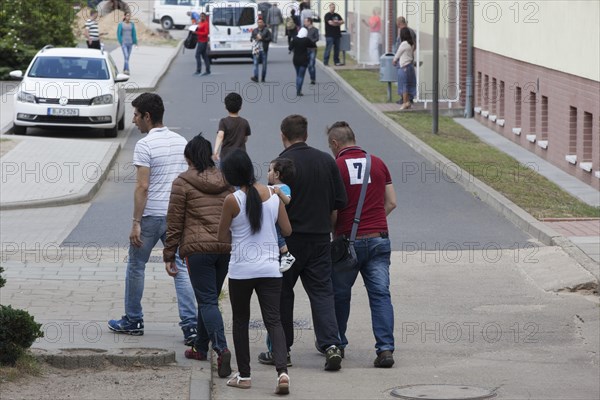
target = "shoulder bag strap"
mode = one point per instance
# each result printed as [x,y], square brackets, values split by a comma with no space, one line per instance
[361,201]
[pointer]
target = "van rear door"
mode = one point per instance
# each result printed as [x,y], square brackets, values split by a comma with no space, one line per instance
[231,26]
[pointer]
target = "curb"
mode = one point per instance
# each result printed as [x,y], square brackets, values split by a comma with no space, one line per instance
[84,195]
[158,77]
[482,191]
[98,358]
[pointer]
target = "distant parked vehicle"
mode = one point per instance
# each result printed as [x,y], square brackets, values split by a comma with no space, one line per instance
[230,27]
[176,13]
[70,87]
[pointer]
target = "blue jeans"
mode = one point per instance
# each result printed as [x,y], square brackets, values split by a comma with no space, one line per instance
[202,53]
[329,43]
[207,273]
[374,266]
[312,57]
[126,47]
[262,56]
[153,230]
[300,72]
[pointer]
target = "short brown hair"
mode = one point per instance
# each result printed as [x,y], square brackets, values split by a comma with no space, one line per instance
[341,132]
[295,128]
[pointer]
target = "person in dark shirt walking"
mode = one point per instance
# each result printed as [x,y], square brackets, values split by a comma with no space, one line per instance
[301,45]
[318,191]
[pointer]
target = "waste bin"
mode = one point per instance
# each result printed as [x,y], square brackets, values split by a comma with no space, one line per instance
[387,70]
[345,41]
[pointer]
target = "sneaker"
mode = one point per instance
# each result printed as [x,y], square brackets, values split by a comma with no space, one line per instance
[205,73]
[197,73]
[286,261]
[126,71]
[194,354]
[254,79]
[283,384]
[126,326]
[224,364]
[385,359]
[189,335]
[267,358]
[333,359]
[313,82]
[339,64]
[320,350]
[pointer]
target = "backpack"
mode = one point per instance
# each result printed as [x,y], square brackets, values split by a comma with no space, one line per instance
[290,24]
[191,40]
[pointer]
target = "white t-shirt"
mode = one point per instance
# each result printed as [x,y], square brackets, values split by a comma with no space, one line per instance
[162,151]
[404,55]
[254,255]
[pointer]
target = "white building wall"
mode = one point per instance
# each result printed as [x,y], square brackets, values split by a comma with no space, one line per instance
[557,34]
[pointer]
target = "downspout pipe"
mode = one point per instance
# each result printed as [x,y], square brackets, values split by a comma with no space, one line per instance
[470,89]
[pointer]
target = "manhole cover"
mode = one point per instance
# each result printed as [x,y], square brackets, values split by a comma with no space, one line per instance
[442,392]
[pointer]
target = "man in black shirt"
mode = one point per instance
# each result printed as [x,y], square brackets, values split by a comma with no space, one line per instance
[317,191]
[333,33]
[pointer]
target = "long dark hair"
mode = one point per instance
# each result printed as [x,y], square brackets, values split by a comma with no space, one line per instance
[406,36]
[239,171]
[198,151]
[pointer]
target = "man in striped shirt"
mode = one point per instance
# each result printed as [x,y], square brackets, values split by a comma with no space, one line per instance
[92,33]
[158,158]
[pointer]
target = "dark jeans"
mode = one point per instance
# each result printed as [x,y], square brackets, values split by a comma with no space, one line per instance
[268,291]
[374,266]
[202,53]
[207,274]
[313,266]
[300,72]
[261,57]
[312,57]
[329,43]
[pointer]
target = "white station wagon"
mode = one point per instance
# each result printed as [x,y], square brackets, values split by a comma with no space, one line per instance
[74,87]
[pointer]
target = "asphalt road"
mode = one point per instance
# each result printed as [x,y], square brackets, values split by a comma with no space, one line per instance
[433,212]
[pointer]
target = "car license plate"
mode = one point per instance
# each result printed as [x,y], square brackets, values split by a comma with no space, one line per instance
[222,45]
[64,112]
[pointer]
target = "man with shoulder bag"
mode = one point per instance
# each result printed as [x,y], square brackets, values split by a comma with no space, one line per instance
[362,226]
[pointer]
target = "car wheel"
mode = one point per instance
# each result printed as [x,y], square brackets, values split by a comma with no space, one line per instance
[121,124]
[111,132]
[19,130]
[167,23]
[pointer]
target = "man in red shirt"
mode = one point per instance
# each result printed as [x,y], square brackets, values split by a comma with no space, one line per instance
[372,244]
[202,46]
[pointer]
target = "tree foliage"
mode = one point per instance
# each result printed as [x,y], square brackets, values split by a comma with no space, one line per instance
[28,25]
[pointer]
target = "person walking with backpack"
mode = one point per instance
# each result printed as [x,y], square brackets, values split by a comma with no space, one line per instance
[292,23]
[274,19]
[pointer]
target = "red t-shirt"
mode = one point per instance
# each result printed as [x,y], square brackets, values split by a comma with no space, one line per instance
[351,162]
[375,23]
[202,31]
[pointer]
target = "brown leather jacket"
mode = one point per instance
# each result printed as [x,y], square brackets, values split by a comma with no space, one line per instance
[194,213]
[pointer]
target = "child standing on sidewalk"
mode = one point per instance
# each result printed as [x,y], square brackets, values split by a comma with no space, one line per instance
[233,130]
[281,171]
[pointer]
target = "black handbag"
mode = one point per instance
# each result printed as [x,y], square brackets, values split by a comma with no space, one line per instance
[343,255]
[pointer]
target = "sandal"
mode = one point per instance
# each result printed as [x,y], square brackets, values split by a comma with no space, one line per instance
[238,382]
[283,384]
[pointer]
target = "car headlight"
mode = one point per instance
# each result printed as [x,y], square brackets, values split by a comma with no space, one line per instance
[104,99]
[26,97]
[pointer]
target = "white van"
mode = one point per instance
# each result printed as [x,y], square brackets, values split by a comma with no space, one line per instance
[176,13]
[231,25]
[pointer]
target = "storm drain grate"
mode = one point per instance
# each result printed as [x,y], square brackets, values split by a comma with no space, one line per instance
[442,392]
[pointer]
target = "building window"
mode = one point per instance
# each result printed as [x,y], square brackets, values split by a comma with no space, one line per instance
[532,112]
[572,130]
[501,110]
[518,104]
[479,88]
[587,137]
[544,130]
[494,96]
[486,92]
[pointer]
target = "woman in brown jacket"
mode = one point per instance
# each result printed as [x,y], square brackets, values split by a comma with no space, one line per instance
[193,219]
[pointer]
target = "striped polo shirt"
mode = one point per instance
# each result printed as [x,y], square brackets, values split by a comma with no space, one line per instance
[162,151]
[92,27]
